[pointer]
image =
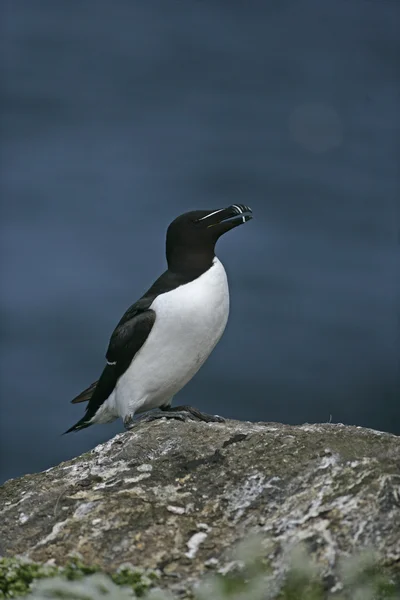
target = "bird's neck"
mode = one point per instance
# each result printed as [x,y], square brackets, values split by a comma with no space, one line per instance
[193,262]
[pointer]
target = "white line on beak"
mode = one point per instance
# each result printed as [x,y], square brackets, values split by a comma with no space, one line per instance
[240,211]
[211,214]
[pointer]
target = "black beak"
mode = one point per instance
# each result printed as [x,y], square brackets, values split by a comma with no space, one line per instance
[237,213]
[234,215]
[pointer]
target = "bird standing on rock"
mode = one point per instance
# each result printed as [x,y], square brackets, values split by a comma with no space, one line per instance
[164,338]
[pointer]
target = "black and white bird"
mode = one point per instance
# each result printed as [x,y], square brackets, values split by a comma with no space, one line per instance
[164,338]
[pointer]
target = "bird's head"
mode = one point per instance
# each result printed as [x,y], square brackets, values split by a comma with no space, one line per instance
[191,237]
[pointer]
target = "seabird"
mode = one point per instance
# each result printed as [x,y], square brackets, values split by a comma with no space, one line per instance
[165,337]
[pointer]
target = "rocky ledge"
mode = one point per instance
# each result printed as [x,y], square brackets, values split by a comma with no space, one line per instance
[177,497]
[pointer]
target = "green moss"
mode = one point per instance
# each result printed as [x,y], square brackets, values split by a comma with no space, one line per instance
[139,580]
[300,588]
[362,576]
[365,572]
[75,569]
[17,575]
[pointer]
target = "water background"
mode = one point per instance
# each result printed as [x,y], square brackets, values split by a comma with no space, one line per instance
[118,116]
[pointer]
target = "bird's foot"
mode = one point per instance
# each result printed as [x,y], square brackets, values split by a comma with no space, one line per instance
[129,422]
[193,414]
[154,415]
[182,413]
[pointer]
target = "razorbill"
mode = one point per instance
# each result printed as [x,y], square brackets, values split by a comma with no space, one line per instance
[164,338]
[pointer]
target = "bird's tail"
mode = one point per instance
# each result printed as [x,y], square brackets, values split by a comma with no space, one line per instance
[81,424]
[95,394]
[86,394]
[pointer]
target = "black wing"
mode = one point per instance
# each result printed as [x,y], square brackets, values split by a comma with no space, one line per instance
[127,339]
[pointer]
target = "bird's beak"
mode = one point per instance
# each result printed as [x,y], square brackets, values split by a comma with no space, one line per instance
[235,214]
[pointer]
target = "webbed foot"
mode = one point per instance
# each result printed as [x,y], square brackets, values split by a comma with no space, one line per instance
[182,413]
[194,414]
[129,422]
[154,415]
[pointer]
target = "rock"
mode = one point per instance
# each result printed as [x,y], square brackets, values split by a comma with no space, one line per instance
[177,497]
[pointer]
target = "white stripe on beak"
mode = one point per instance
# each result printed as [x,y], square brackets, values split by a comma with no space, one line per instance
[211,214]
[240,211]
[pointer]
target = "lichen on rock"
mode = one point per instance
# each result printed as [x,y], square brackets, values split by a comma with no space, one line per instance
[176,498]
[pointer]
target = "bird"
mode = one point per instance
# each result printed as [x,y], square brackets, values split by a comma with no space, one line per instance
[164,338]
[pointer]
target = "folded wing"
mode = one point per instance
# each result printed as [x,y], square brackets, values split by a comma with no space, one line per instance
[126,340]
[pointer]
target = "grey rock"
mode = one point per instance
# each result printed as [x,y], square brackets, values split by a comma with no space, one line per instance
[177,497]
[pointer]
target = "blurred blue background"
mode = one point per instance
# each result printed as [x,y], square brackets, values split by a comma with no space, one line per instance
[118,116]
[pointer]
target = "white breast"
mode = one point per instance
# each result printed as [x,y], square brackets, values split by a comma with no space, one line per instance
[189,322]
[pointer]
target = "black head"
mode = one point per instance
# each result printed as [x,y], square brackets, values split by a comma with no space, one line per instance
[191,237]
